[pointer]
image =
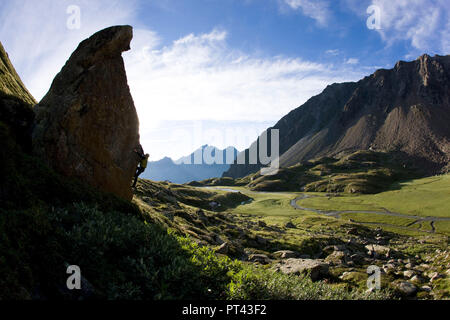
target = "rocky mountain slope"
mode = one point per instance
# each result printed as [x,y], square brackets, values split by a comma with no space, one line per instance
[405,109]
[87,126]
[184,170]
[15,102]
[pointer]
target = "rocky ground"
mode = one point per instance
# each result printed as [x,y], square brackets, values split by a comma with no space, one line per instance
[338,253]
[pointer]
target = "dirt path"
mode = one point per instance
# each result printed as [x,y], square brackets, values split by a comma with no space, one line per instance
[337,214]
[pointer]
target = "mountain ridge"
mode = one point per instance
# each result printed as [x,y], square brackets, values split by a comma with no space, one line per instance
[406,108]
[185,169]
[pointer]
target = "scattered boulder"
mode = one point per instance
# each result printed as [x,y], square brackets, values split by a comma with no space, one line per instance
[315,268]
[434,276]
[378,251]
[290,225]
[223,248]
[407,288]
[337,258]
[409,274]
[426,288]
[86,125]
[409,265]
[285,254]
[330,249]
[357,258]
[259,258]
[389,268]
[416,279]
[353,276]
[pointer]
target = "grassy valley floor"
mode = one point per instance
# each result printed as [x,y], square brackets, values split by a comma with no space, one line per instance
[266,229]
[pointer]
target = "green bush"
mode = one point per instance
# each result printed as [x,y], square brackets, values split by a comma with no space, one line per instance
[126,258]
[253,283]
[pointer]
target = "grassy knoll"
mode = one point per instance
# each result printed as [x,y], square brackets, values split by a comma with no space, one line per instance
[364,172]
[268,204]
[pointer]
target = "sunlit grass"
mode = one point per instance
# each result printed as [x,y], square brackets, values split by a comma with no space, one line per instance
[421,197]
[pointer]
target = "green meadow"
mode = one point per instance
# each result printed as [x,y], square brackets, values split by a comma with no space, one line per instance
[421,197]
[427,197]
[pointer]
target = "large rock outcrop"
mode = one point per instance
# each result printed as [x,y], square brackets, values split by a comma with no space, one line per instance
[87,126]
[404,109]
[15,103]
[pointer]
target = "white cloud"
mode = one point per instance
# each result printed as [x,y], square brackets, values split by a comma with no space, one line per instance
[424,24]
[333,52]
[415,20]
[197,77]
[352,61]
[36,36]
[315,9]
[200,77]
[445,43]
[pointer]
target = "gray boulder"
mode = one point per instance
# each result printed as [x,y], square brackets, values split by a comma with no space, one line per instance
[259,258]
[407,288]
[285,254]
[315,268]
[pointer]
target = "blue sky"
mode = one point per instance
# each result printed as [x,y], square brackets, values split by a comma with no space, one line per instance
[221,71]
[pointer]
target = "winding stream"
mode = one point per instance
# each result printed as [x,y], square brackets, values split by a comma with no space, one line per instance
[337,214]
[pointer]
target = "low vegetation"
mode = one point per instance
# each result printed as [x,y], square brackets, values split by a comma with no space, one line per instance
[364,172]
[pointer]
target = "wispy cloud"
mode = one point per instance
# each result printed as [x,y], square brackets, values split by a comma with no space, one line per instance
[352,61]
[424,24]
[415,20]
[315,9]
[333,52]
[201,77]
[197,77]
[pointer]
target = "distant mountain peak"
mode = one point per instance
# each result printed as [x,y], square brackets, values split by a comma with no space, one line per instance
[186,169]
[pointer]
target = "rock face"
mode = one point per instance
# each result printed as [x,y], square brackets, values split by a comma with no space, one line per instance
[87,126]
[404,109]
[15,102]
